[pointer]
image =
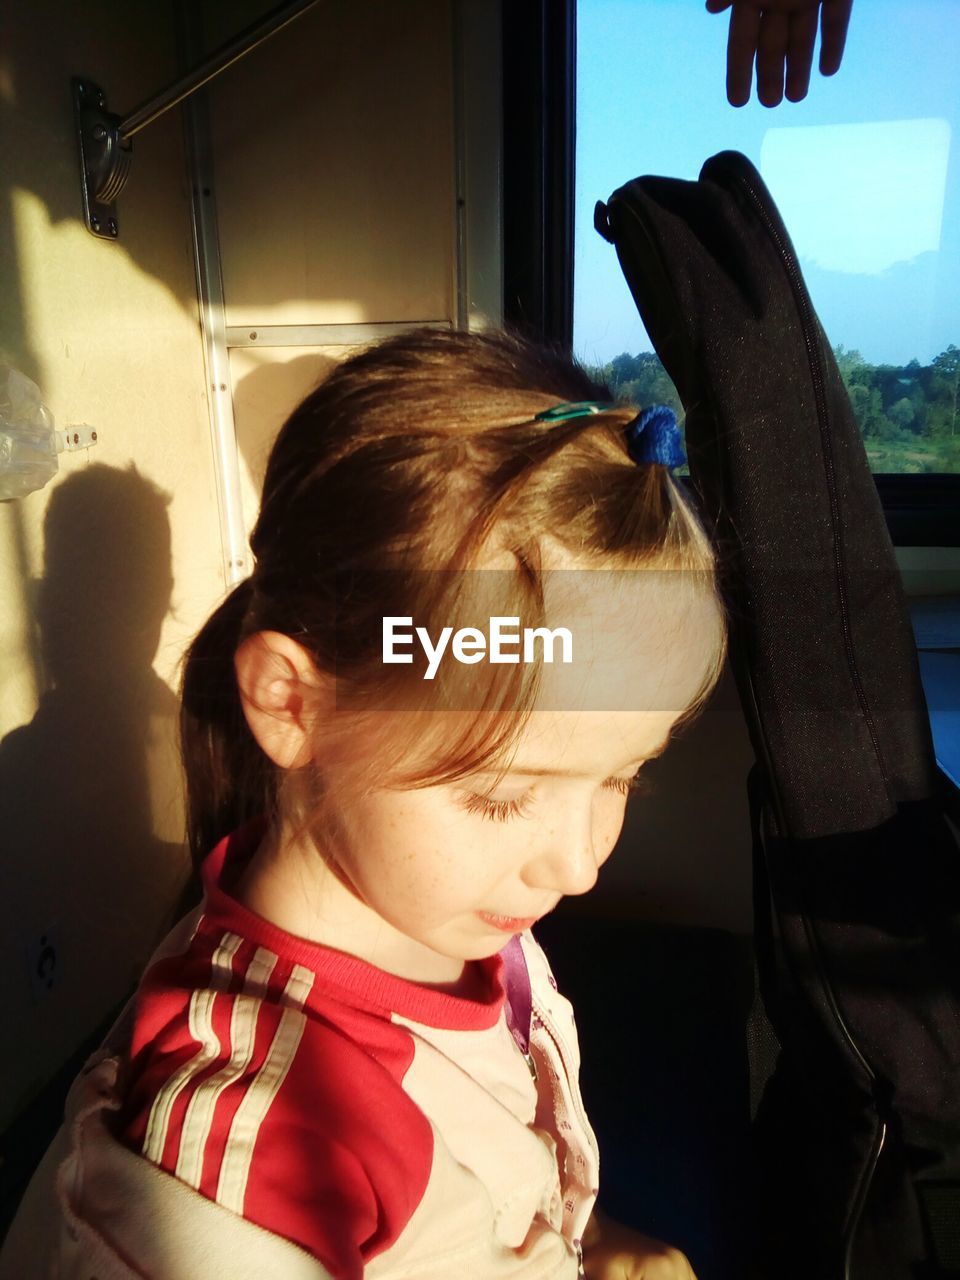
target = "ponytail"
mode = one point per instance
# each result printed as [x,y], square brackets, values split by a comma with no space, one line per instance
[228,778]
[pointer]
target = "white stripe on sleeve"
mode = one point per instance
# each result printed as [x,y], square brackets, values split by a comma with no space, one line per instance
[238,1156]
[201,1029]
[201,1109]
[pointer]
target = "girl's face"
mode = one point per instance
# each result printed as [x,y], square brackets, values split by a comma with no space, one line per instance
[427,879]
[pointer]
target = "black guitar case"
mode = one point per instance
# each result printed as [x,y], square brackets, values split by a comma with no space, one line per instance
[856,870]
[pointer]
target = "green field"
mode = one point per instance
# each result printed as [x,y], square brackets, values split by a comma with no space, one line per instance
[909,457]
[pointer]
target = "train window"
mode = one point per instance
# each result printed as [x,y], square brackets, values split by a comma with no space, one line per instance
[864,171]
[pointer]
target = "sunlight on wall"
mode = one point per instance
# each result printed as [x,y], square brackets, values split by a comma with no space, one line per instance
[298,309]
[68,276]
[110,335]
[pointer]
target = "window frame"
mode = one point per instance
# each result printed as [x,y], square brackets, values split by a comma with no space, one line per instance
[539,176]
[539,166]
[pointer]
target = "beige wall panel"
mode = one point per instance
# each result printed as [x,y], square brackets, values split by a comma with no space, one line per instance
[107,571]
[333,147]
[268,384]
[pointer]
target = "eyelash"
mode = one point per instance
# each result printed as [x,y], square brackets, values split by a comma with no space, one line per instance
[502,810]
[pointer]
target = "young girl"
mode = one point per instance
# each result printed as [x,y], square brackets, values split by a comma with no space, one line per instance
[351,1059]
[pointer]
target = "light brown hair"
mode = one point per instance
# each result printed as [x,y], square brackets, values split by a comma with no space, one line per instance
[405,464]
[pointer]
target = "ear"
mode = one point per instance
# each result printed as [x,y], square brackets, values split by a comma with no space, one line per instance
[282,693]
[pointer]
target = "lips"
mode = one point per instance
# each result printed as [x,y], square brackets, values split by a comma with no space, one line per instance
[508,924]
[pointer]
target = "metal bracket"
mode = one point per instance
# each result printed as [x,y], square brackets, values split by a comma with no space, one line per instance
[106,140]
[105,157]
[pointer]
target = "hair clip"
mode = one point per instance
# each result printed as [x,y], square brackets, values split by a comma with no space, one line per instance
[578,409]
[654,436]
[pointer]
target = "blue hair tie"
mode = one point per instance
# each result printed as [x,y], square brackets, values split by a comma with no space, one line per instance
[654,436]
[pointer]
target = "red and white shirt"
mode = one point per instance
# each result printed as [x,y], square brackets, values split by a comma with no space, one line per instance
[385,1128]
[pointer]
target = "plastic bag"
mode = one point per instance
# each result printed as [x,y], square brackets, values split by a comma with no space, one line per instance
[28,439]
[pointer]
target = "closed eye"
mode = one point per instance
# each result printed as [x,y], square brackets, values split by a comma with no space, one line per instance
[502,810]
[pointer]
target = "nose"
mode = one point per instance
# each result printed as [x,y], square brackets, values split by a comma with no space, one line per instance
[566,863]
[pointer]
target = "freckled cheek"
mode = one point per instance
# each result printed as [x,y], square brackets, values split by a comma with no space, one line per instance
[439,879]
[607,834]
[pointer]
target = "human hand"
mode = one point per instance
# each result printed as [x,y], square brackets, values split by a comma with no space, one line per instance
[614,1252]
[780,34]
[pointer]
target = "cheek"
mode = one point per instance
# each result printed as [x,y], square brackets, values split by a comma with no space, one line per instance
[422,868]
[607,827]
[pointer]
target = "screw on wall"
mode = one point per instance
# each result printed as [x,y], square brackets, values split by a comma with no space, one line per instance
[44,962]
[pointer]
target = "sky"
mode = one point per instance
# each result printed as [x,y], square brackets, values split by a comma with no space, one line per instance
[865,171]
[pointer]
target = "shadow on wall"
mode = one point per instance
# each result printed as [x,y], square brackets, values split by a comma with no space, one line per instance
[95,769]
[266,391]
